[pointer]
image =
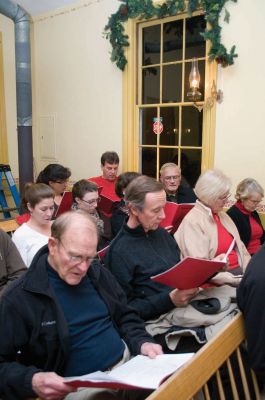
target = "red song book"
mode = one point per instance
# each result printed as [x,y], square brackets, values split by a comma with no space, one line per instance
[139,372]
[66,203]
[107,204]
[189,273]
[175,214]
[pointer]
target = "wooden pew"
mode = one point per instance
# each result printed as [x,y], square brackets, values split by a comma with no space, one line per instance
[9,225]
[192,378]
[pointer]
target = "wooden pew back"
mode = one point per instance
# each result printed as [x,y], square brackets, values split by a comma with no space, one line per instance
[9,225]
[192,378]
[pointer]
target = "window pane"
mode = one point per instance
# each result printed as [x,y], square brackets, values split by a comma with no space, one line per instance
[172,81]
[167,155]
[170,120]
[191,132]
[201,66]
[191,165]
[151,45]
[148,161]
[172,41]
[195,43]
[151,78]
[147,136]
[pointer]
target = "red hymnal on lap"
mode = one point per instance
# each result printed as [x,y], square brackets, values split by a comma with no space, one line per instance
[174,214]
[189,273]
[66,203]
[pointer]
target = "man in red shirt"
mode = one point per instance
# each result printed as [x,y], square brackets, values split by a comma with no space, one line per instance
[107,181]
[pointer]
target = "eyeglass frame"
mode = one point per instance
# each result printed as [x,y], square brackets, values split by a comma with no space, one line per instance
[174,177]
[76,260]
[90,202]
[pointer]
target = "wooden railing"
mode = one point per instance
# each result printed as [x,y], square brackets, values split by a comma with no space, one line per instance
[192,380]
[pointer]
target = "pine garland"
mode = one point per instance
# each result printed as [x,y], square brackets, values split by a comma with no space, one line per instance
[145,9]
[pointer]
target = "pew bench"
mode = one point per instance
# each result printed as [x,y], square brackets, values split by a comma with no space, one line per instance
[192,380]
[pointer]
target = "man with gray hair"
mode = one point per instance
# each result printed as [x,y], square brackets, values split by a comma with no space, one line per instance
[142,249]
[177,191]
[66,316]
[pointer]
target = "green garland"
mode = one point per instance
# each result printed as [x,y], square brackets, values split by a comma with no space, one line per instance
[145,9]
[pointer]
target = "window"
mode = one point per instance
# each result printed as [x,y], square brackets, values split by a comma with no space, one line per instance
[156,83]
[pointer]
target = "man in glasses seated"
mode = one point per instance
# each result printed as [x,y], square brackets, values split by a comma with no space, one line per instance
[176,190]
[66,316]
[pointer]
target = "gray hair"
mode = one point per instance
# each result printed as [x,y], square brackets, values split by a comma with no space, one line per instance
[65,220]
[138,188]
[169,165]
[211,185]
[246,187]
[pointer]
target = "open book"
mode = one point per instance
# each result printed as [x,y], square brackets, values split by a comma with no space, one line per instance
[107,204]
[140,372]
[174,214]
[190,273]
[66,203]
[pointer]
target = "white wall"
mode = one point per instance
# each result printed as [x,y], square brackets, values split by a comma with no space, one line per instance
[240,127]
[8,33]
[77,86]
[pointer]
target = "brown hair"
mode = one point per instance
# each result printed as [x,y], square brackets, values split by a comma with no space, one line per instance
[83,186]
[123,181]
[111,157]
[34,193]
[138,188]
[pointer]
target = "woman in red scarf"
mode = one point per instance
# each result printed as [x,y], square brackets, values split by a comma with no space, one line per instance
[249,194]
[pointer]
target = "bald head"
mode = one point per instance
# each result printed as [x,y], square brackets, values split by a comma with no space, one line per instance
[73,245]
[73,220]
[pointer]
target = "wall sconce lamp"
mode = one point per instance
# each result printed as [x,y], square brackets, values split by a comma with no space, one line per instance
[194,93]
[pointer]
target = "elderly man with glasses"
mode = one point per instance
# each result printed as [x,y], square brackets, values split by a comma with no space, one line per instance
[66,316]
[176,190]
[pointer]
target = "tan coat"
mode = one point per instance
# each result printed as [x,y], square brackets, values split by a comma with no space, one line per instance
[197,235]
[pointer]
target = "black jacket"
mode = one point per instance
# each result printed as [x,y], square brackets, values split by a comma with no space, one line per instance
[34,332]
[185,194]
[251,301]
[242,223]
[133,257]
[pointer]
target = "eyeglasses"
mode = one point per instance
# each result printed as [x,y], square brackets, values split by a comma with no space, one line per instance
[225,197]
[75,260]
[173,177]
[93,201]
[254,201]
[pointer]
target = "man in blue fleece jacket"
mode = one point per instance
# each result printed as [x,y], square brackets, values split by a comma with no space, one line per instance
[66,316]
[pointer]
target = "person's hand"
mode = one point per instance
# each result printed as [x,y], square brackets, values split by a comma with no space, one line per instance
[226,278]
[168,228]
[222,257]
[151,349]
[181,298]
[50,386]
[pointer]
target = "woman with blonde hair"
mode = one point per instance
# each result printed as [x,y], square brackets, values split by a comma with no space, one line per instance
[249,194]
[208,232]
[33,234]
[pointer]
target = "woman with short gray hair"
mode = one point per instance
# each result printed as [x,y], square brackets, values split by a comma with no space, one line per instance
[207,231]
[249,194]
